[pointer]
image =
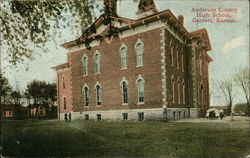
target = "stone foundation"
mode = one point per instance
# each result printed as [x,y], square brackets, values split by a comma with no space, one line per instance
[133,114]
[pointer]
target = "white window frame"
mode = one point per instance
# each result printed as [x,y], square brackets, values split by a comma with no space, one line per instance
[139,54]
[124,57]
[97,62]
[179,90]
[173,88]
[172,53]
[84,95]
[122,88]
[100,94]
[200,64]
[177,60]
[85,65]
[183,92]
[140,78]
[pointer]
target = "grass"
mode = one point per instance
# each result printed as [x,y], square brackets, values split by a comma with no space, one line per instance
[120,139]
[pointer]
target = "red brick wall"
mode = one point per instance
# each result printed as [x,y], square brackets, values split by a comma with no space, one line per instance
[64,92]
[111,74]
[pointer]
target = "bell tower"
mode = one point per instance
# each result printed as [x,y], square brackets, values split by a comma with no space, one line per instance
[110,7]
[146,8]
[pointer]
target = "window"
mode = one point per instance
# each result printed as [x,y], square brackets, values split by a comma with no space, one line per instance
[124,60]
[177,60]
[98,95]
[63,82]
[139,53]
[85,65]
[124,92]
[86,96]
[171,53]
[125,116]
[202,96]
[97,62]
[200,65]
[179,91]
[99,117]
[173,89]
[140,89]
[64,103]
[183,93]
[182,62]
[86,116]
[141,116]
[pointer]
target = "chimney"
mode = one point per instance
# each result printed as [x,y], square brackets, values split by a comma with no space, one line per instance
[110,7]
[181,19]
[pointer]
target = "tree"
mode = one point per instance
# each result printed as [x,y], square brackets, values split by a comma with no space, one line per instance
[5,89]
[225,87]
[30,24]
[42,93]
[242,80]
[16,96]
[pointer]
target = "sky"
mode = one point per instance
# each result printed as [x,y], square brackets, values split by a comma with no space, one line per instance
[229,41]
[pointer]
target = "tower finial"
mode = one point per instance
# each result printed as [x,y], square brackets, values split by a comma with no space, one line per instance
[146,7]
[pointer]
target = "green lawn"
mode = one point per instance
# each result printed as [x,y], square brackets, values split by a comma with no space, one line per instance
[130,139]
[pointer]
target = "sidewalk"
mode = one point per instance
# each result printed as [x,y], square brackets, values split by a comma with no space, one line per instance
[238,121]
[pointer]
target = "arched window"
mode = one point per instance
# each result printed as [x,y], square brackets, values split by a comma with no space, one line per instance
[198,94]
[183,92]
[172,53]
[202,96]
[124,92]
[124,58]
[182,62]
[98,94]
[85,65]
[200,64]
[63,82]
[97,61]
[179,91]
[86,95]
[64,103]
[139,53]
[140,89]
[177,59]
[173,89]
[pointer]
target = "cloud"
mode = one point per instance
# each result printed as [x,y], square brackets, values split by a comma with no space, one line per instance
[234,43]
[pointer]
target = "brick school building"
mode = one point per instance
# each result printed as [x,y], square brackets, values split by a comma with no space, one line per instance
[152,64]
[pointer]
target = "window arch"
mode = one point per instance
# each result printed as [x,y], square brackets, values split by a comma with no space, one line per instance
[179,90]
[173,88]
[140,89]
[64,103]
[97,62]
[124,56]
[139,46]
[98,90]
[85,65]
[86,95]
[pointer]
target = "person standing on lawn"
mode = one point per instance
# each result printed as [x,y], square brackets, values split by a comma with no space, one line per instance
[70,117]
[221,114]
[66,117]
